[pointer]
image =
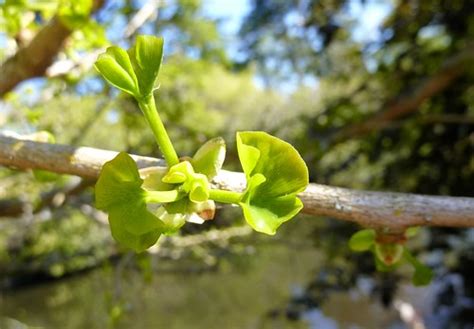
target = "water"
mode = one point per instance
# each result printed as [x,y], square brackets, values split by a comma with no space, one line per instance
[286,281]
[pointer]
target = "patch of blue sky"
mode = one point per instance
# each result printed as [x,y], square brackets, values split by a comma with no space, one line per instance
[369,18]
[230,15]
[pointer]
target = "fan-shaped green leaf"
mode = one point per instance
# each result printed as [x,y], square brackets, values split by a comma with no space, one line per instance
[266,216]
[275,174]
[277,160]
[138,243]
[118,191]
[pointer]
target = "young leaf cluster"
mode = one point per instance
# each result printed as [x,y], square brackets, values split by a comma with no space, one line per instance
[143,204]
[388,256]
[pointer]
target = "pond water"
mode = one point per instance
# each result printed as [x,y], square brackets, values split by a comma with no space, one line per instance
[287,281]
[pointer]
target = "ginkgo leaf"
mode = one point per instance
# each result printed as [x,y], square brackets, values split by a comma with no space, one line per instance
[118,191]
[138,243]
[275,174]
[266,216]
[278,161]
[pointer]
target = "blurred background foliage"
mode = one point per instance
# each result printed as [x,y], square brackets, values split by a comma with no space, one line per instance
[313,72]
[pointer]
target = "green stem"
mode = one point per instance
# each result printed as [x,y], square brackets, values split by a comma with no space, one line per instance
[225,196]
[148,107]
[162,196]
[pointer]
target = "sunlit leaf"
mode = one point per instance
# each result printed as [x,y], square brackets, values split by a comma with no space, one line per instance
[138,243]
[119,180]
[266,216]
[275,174]
[278,161]
[146,56]
[179,173]
[118,191]
[116,67]
[199,191]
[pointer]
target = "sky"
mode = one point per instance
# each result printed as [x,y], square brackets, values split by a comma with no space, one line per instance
[232,12]
[369,18]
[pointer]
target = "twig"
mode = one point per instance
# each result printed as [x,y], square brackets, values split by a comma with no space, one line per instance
[452,69]
[383,210]
[34,59]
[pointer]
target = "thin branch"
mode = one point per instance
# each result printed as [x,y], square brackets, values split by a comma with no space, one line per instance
[383,210]
[34,59]
[149,10]
[452,69]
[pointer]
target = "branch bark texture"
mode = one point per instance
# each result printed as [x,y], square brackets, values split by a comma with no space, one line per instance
[399,107]
[34,59]
[382,210]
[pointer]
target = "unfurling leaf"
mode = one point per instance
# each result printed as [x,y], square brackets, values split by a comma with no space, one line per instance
[116,67]
[135,71]
[146,56]
[275,173]
[179,173]
[210,157]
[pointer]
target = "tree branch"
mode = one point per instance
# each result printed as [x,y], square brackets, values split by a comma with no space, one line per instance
[34,59]
[383,210]
[452,69]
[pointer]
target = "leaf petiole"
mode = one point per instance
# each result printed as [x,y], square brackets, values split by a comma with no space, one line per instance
[225,196]
[148,107]
[162,196]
